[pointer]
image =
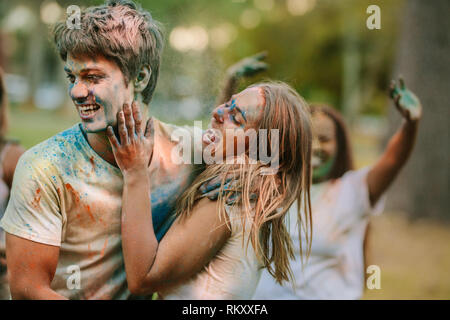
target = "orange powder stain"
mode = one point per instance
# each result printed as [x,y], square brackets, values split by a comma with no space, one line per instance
[37,198]
[75,194]
[102,253]
[76,197]
[88,209]
[102,221]
[91,160]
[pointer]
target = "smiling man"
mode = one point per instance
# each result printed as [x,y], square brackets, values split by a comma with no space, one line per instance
[64,217]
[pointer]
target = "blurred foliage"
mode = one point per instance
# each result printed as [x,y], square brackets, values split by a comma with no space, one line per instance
[305,50]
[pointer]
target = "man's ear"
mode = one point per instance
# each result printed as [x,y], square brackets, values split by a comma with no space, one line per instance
[142,79]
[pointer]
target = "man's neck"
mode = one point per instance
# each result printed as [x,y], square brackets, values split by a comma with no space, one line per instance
[101,145]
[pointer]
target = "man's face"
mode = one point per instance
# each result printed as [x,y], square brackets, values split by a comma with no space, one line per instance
[98,90]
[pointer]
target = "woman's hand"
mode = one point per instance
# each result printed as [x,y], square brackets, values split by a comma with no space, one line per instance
[134,151]
[400,145]
[406,102]
[249,66]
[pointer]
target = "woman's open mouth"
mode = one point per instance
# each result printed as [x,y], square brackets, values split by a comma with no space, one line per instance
[87,111]
[210,136]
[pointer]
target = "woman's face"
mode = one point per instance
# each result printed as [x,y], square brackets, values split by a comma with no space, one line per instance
[231,120]
[324,146]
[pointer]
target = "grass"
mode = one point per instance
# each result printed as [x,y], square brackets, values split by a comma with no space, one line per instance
[32,127]
[414,257]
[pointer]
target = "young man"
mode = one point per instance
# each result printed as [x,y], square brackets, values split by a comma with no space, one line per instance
[63,219]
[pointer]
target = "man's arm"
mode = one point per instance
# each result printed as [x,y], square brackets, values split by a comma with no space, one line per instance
[31,268]
[33,224]
[400,145]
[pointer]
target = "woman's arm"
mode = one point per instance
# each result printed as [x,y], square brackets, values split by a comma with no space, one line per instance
[400,145]
[188,245]
[246,67]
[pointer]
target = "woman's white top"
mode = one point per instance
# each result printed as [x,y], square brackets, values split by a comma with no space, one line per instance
[232,274]
[335,268]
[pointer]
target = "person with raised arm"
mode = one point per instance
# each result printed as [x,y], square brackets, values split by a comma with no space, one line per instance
[343,200]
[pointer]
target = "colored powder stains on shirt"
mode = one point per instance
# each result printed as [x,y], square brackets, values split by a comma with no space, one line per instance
[80,210]
[37,199]
[102,252]
[77,199]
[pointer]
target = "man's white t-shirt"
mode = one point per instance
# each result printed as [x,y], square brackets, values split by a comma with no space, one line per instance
[64,194]
[335,268]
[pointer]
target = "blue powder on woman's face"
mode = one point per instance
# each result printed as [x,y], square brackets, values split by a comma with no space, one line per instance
[220,112]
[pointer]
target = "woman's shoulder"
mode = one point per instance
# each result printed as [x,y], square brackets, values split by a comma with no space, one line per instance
[357,177]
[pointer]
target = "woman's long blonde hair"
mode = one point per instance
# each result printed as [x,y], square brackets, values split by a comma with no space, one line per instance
[286,111]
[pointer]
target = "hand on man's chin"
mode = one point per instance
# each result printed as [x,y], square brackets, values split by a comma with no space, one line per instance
[90,128]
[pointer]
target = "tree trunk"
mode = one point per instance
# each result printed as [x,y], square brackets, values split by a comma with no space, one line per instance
[423,58]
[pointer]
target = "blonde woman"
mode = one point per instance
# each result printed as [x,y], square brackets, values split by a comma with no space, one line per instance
[216,249]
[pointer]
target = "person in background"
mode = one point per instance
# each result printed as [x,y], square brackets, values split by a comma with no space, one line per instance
[10,151]
[343,199]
